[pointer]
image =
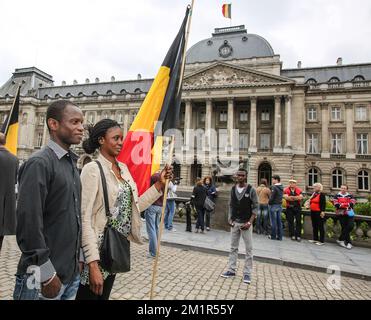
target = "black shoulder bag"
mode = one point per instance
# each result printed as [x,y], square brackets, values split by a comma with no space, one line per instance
[115,249]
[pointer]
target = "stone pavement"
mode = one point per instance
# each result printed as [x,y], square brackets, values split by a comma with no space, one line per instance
[354,263]
[193,275]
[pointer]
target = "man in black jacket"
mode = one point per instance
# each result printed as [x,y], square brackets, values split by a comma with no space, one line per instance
[275,208]
[9,169]
[48,212]
[242,213]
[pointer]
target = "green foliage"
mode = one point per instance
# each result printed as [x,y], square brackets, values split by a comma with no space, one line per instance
[364,226]
[363,209]
[330,227]
[330,207]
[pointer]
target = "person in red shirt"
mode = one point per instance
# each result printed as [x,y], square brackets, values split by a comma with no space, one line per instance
[317,212]
[293,196]
[344,203]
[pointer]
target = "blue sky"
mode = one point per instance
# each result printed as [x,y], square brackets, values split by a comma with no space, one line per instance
[78,39]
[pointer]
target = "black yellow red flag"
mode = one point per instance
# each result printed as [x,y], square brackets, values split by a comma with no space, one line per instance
[10,126]
[161,105]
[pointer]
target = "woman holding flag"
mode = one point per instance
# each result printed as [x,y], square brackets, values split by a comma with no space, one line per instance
[124,205]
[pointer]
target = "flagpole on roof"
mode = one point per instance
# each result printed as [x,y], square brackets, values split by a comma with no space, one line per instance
[169,162]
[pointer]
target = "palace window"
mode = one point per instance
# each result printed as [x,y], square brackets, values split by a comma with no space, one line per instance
[223,116]
[336,113]
[202,116]
[120,117]
[337,179]
[313,143]
[312,114]
[244,116]
[265,142]
[223,140]
[334,82]
[357,81]
[244,141]
[41,119]
[336,143]
[362,143]
[105,115]
[311,81]
[265,115]
[91,118]
[39,141]
[313,177]
[361,113]
[363,181]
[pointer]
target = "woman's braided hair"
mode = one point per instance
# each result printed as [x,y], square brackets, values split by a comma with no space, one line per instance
[96,132]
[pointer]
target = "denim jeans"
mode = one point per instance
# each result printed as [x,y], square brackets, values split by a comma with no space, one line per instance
[236,234]
[169,214]
[153,215]
[262,219]
[276,222]
[200,223]
[25,289]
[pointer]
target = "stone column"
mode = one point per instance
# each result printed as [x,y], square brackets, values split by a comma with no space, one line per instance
[230,125]
[349,118]
[208,117]
[277,125]
[187,124]
[126,123]
[288,122]
[253,126]
[325,153]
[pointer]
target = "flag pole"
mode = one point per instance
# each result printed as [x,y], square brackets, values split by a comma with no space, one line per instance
[11,110]
[185,46]
[154,273]
[171,151]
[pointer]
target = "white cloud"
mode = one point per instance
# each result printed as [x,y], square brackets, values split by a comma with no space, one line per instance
[78,39]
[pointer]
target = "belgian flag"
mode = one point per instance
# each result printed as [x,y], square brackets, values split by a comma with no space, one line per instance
[10,126]
[161,105]
[227,10]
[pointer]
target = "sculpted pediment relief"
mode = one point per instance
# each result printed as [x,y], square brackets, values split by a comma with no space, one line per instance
[222,75]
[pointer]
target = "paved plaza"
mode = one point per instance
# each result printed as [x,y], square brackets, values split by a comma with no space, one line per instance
[194,275]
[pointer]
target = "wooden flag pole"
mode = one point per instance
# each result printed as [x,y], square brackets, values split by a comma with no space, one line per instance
[170,160]
[154,273]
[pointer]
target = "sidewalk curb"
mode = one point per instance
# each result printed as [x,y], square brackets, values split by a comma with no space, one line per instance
[267,260]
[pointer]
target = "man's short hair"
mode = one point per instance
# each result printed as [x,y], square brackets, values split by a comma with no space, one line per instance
[242,170]
[276,177]
[55,110]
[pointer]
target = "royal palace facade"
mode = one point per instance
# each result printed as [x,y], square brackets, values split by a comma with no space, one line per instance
[312,124]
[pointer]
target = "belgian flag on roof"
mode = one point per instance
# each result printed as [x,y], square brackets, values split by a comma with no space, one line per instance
[10,126]
[161,105]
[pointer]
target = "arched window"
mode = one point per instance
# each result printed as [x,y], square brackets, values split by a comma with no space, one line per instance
[334,82]
[123,91]
[363,181]
[109,92]
[337,178]
[46,97]
[80,94]
[94,93]
[57,96]
[137,90]
[311,81]
[313,176]
[358,78]
[69,95]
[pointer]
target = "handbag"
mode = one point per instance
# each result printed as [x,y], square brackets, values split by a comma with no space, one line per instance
[350,213]
[209,205]
[114,251]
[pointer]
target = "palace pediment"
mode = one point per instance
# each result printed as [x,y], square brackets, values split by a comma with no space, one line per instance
[222,75]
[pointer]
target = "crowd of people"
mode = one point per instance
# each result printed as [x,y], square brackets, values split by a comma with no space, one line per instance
[62,214]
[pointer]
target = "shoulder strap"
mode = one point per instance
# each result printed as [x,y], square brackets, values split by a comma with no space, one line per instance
[104,185]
